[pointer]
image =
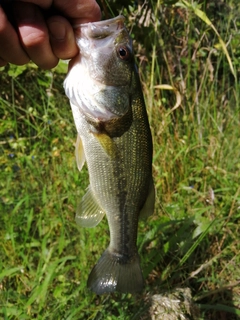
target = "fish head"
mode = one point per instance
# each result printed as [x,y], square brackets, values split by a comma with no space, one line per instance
[100,77]
[106,49]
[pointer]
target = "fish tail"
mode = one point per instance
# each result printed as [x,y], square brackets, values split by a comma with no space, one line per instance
[115,272]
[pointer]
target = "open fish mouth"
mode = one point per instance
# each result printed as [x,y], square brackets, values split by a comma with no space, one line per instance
[106,34]
[100,29]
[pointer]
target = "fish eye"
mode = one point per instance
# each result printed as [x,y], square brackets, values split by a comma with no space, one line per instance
[124,53]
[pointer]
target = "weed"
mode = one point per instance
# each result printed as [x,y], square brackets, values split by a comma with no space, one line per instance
[192,239]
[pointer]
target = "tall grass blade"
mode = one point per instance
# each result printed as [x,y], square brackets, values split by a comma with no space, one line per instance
[196,244]
[202,15]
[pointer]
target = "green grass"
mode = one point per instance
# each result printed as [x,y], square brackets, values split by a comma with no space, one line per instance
[192,240]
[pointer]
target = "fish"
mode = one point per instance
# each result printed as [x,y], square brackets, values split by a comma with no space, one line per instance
[114,139]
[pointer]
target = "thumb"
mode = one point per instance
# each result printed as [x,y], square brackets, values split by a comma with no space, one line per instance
[62,37]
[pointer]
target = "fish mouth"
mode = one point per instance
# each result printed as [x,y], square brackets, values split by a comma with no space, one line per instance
[100,29]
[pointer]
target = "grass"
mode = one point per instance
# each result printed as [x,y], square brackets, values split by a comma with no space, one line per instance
[192,240]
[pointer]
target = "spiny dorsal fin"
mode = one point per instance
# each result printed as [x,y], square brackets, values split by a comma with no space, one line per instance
[89,213]
[148,206]
[79,153]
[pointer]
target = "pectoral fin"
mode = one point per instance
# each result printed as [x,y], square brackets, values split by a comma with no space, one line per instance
[148,206]
[79,153]
[88,213]
[107,144]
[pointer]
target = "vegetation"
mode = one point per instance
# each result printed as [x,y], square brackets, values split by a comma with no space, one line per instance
[192,240]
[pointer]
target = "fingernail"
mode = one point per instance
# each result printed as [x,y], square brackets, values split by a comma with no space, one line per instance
[57,30]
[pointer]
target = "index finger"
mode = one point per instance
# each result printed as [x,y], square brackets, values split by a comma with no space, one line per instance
[10,46]
[79,11]
[44,4]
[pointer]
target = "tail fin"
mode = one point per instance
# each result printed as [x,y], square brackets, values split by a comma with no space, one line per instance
[114,273]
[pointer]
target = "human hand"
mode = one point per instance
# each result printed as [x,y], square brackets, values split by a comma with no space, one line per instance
[39,35]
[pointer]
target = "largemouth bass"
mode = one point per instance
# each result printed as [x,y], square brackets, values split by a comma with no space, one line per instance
[115,140]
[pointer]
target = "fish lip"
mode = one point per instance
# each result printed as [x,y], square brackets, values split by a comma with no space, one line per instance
[99,29]
[119,21]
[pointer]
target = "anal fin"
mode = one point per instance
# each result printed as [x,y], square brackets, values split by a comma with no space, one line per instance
[89,213]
